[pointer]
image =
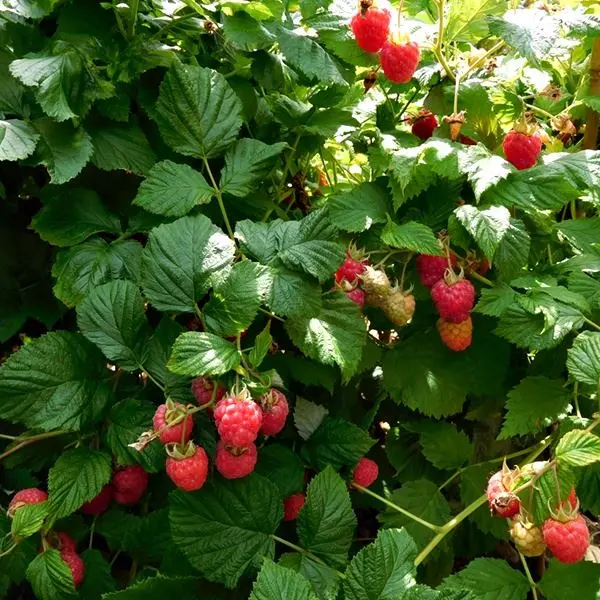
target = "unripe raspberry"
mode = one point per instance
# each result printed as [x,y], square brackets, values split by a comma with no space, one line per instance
[366,472]
[567,540]
[371,28]
[202,388]
[292,505]
[238,420]
[399,307]
[399,61]
[188,470]
[453,300]
[24,497]
[521,149]
[376,285]
[99,504]
[527,537]
[424,124]
[456,336]
[129,484]
[165,415]
[234,463]
[431,268]
[357,296]
[77,566]
[275,410]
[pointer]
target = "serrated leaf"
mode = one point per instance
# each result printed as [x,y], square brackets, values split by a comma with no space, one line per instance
[578,448]
[17,139]
[197,112]
[293,295]
[98,579]
[226,526]
[324,580]
[283,467]
[28,520]
[564,582]
[582,234]
[483,169]
[384,569]
[494,302]
[549,487]
[583,359]
[173,189]
[308,416]
[326,523]
[50,394]
[158,588]
[275,582]
[179,260]
[360,208]
[262,343]
[245,32]
[50,577]
[197,354]
[411,236]
[77,476]
[445,446]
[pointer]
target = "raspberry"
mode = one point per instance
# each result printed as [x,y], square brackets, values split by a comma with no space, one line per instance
[24,497]
[275,411]
[188,470]
[454,301]
[502,502]
[129,484]
[76,565]
[521,149]
[484,266]
[567,540]
[456,336]
[366,472]
[573,500]
[466,140]
[424,124]
[99,504]
[238,420]
[292,506]
[202,388]
[350,270]
[399,307]
[62,541]
[234,463]
[172,434]
[399,61]
[371,28]
[432,268]
[376,286]
[357,296]
[528,538]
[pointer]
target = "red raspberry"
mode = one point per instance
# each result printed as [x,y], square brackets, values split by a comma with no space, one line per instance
[76,565]
[454,301]
[24,497]
[567,540]
[99,504]
[202,388]
[466,140]
[129,484]
[234,463]
[573,500]
[275,411]
[350,270]
[522,150]
[502,502]
[65,543]
[165,415]
[399,61]
[371,28]
[424,124]
[238,420]
[457,336]
[366,472]
[292,506]
[189,472]
[432,268]
[357,296]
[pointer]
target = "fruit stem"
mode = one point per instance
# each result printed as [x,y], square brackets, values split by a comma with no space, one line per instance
[8,551]
[576,399]
[437,49]
[133,17]
[306,553]
[481,278]
[532,583]
[498,46]
[591,323]
[152,379]
[219,197]
[31,440]
[395,507]
[271,315]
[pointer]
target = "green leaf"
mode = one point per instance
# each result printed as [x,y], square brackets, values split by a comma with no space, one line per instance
[235,300]
[549,487]
[283,467]
[444,446]
[245,32]
[262,344]
[534,404]
[197,112]
[28,520]
[583,359]
[69,393]
[384,569]
[582,234]
[113,318]
[198,354]
[158,588]
[324,580]
[275,582]
[411,236]
[308,416]
[494,302]
[77,476]
[326,523]
[226,525]
[98,579]
[360,208]
[489,579]
[50,577]
[468,22]
[335,336]
[72,216]
[336,442]
[565,582]
[578,448]
[173,189]
[17,139]
[293,295]
[246,164]
[483,169]
[179,260]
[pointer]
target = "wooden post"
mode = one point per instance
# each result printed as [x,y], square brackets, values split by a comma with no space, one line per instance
[592,121]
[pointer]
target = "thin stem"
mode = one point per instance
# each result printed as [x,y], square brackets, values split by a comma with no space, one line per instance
[135,4]
[540,111]
[481,278]
[482,59]
[573,209]
[437,49]
[195,6]
[591,323]
[532,583]
[92,528]
[219,197]
[32,440]
[152,379]
[306,553]
[456,89]
[397,508]
[8,437]
[271,315]
[576,399]
[8,551]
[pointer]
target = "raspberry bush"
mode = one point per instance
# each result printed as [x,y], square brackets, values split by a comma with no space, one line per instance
[299,300]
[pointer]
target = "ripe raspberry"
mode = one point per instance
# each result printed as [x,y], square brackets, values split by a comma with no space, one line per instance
[76,565]
[99,504]
[399,61]
[357,296]
[528,538]
[292,506]
[129,484]
[466,140]
[432,268]
[567,540]
[275,411]
[376,286]
[234,463]
[371,28]
[424,124]
[238,420]
[62,541]
[351,269]
[165,415]
[454,301]
[24,497]
[456,336]
[502,502]
[202,388]
[399,307]
[365,473]
[189,469]
[521,149]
